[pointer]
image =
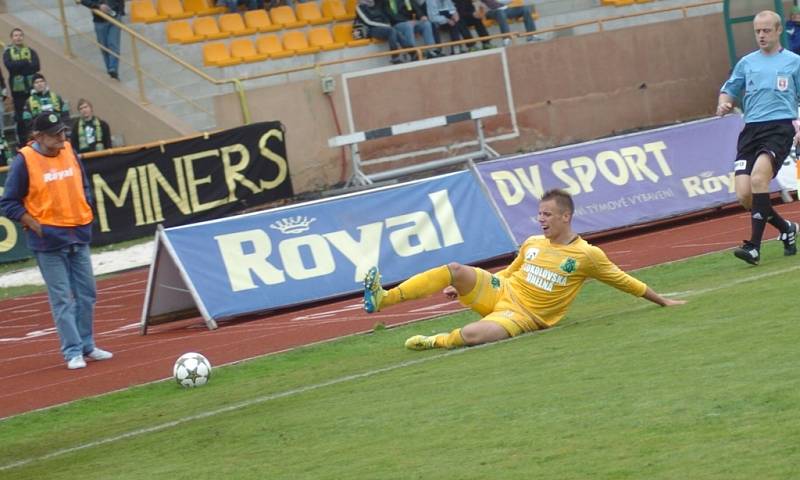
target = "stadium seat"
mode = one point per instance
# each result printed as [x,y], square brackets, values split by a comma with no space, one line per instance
[245,50]
[202,8]
[233,24]
[259,20]
[271,45]
[180,31]
[207,28]
[335,9]
[321,37]
[284,16]
[309,12]
[343,32]
[173,9]
[297,42]
[143,11]
[350,7]
[216,54]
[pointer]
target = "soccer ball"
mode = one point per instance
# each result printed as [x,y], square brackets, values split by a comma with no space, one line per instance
[192,370]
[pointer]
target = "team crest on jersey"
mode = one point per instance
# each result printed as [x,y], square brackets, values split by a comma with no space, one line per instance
[783,83]
[531,253]
[495,282]
[569,265]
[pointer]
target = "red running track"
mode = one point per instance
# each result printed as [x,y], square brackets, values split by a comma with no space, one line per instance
[33,374]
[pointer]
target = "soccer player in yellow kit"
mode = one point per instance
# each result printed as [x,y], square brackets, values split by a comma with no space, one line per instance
[532,293]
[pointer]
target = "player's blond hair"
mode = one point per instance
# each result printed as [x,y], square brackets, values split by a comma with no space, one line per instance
[776,19]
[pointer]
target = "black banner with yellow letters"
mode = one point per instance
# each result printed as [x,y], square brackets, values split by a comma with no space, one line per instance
[188,181]
[177,183]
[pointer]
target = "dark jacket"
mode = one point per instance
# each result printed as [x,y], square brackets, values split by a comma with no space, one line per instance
[373,16]
[793,36]
[20,70]
[402,10]
[118,6]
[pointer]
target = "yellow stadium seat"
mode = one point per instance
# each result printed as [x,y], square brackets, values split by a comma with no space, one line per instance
[309,12]
[335,9]
[233,24]
[173,9]
[259,20]
[343,33]
[216,54]
[245,50]
[271,45]
[321,37]
[284,16]
[202,7]
[143,11]
[180,31]
[207,28]
[297,42]
[350,7]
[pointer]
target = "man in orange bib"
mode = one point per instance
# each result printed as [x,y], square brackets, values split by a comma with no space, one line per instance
[48,193]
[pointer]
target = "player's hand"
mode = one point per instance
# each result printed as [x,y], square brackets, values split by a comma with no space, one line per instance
[450,292]
[724,108]
[669,302]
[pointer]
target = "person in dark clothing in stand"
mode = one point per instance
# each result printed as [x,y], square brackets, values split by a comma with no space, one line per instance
[22,63]
[108,33]
[410,18]
[470,17]
[378,25]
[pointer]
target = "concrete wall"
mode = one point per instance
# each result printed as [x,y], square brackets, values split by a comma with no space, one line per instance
[73,79]
[566,90]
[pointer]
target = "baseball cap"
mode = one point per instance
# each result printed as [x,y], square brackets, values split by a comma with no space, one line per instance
[48,123]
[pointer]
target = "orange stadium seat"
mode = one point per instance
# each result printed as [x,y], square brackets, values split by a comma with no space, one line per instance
[143,11]
[284,16]
[207,28]
[321,37]
[216,54]
[245,50]
[180,31]
[271,45]
[343,33]
[202,7]
[335,9]
[310,13]
[233,24]
[259,20]
[173,9]
[350,7]
[297,42]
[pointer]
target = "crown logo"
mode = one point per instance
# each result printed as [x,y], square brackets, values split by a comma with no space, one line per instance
[296,224]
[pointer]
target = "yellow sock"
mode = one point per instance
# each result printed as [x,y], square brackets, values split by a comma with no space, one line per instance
[419,286]
[450,340]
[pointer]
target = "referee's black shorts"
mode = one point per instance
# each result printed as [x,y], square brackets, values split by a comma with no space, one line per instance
[774,137]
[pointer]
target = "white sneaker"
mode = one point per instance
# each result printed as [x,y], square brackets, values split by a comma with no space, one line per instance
[98,354]
[76,363]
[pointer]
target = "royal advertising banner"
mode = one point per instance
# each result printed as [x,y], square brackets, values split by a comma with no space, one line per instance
[265,260]
[624,180]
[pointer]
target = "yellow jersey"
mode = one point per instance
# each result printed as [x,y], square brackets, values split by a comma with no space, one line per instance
[546,277]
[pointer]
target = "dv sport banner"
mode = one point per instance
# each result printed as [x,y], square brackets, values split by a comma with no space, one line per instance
[188,181]
[624,180]
[266,260]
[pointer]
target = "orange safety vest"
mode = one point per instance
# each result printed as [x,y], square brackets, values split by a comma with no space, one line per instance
[55,189]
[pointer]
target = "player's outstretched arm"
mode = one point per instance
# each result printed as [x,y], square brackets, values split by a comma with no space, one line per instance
[654,297]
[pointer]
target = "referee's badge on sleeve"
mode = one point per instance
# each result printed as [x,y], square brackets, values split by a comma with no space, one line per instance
[783,83]
[739,165]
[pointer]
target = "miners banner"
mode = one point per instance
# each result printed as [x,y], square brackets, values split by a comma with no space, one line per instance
[188,181]
[180,182]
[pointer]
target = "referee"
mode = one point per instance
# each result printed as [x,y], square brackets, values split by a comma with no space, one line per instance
[770,81]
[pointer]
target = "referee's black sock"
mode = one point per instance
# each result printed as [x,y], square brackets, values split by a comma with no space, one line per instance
[758,217]
[777,221]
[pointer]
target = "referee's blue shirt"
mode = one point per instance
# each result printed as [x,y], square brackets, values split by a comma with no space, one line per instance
[770,83]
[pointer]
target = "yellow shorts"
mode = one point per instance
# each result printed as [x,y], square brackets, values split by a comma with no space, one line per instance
[495,303]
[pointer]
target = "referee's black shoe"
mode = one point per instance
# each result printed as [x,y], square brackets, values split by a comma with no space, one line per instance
[789,239]
[747,252]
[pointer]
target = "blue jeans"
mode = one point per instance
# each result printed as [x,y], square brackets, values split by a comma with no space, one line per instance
[251,4]
[408,29]
[72,294]
[108,36]
[501,16]
[386,33]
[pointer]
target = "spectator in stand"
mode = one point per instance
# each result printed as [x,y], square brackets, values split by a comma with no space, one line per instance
[43,100]
[469,16]
[793,30]
[3,96]
[22,62]
[443,15]
[106,32]
[89,133]
[233,5]
[409,18]
[500,12]
[378,25]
